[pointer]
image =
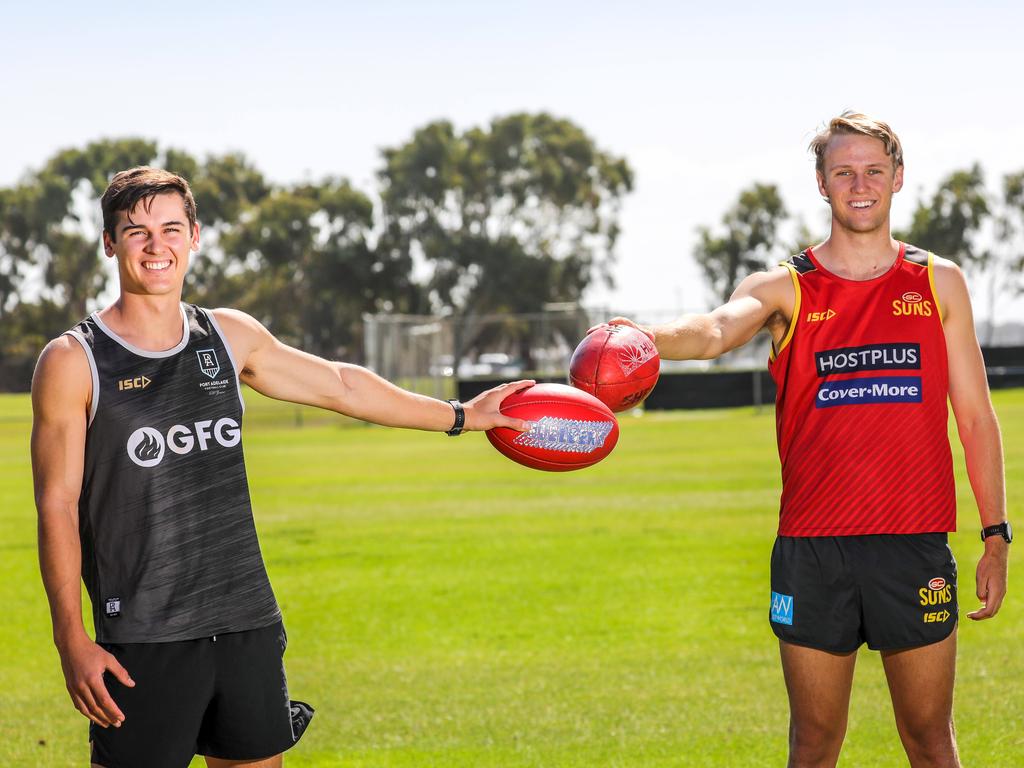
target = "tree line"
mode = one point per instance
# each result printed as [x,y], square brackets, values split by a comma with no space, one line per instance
[979,229]
[503,218]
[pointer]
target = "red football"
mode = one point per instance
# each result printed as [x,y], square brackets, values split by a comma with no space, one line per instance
[617,364]
[571,430]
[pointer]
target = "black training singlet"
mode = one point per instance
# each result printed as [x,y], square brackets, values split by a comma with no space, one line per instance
[169,549]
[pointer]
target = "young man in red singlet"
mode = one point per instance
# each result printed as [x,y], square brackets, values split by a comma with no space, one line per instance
[870,338]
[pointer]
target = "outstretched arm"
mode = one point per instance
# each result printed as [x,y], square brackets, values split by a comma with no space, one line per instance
[763,300]
[60,396]
[285,373]
[978,429]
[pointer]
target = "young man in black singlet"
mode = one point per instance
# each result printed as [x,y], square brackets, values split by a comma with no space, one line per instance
[142,494]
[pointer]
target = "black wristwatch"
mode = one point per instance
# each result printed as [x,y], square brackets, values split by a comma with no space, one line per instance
[1003,529]
[460,419]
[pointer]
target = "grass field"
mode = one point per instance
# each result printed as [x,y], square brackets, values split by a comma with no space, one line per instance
[446,607]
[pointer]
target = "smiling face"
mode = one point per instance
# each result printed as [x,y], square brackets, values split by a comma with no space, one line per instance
[152,243]
[858,179]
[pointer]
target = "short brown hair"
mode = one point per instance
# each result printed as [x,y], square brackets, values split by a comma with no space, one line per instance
[855,122]
[140,185]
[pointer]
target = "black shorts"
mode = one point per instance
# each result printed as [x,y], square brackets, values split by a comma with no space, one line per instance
[223,696]
[891,591]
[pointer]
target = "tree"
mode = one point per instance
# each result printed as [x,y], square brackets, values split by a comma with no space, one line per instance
[949,223]
[50,263]
[300,261]
[749,244]
[226,188]
[1003,261]
[1010,225]
[508,217]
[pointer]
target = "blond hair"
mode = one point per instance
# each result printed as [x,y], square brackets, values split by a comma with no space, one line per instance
[851,122]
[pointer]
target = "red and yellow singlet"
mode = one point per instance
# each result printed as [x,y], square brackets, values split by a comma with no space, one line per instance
[861,411]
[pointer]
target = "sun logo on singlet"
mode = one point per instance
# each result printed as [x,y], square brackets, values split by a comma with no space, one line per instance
[911,303]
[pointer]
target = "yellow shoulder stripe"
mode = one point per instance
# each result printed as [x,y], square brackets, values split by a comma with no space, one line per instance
[931,282]
[773,353]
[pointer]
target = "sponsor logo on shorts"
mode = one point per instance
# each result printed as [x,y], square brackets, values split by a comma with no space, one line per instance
[936,617]
[820,317]
[112,607]
[146,445]
[938,592]
[868,391]
[872,357]
[572,435]
[782,608]
[138,382]
[208,362]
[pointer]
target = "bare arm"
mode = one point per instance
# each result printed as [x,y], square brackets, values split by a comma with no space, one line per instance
[763,300]
[285,373]
[60,395]
[978,429]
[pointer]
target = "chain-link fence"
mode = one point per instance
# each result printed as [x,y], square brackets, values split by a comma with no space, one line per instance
[429,353]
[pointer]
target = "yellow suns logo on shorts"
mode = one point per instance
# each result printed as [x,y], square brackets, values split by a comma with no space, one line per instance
[938,592]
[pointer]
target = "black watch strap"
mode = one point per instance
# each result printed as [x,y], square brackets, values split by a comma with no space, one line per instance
[460,419]
[1002,529]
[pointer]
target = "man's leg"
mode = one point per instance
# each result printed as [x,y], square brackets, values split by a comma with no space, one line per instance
[921,685]
[270,762]
[251,714]
[819,684]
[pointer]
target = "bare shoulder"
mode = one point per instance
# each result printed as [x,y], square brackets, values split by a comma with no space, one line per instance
[62,375]
[63,356]
[770,278]
[237,321]
[773,287]
[239,326]
[245,334]
[950,285]
[946,269]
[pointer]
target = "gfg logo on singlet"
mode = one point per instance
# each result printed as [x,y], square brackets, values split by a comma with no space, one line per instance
[146,445]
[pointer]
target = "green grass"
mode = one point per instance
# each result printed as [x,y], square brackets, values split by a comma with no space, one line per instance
[446,607]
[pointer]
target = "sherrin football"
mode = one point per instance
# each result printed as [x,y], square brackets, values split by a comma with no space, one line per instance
[571,429]
[617,364]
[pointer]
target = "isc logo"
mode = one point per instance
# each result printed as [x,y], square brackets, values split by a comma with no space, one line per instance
[936,617]
[139,382]
[819,317]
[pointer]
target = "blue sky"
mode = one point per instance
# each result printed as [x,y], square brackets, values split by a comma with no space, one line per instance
[702,99]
